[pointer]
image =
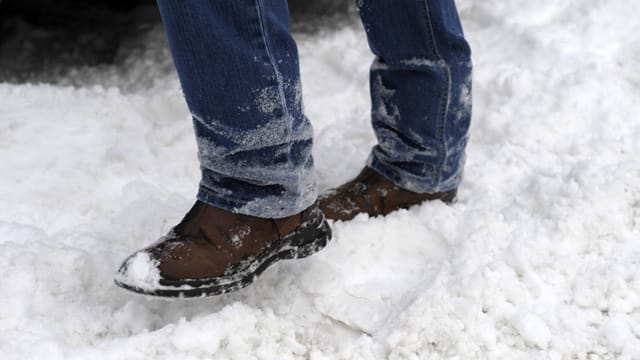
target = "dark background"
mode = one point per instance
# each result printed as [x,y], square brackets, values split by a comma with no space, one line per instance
[37,35]
[76,12]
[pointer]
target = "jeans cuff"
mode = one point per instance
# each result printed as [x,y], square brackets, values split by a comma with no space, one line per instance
[270,207]
[411,182]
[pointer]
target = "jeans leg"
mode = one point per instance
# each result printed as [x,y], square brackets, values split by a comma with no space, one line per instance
[420,92]
[238,66]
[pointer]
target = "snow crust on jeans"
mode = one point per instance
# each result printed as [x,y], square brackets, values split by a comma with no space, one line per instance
[538,259]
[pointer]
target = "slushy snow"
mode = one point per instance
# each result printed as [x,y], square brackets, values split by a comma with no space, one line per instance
[538,259]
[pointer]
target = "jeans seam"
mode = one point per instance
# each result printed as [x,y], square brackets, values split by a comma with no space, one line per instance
[444,105]
[278,76]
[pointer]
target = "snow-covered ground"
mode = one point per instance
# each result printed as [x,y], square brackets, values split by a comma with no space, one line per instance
[539,258]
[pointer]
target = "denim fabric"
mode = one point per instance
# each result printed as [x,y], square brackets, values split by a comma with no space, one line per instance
[420,92]
[238,66]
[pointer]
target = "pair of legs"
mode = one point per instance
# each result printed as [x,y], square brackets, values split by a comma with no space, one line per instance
[238,66]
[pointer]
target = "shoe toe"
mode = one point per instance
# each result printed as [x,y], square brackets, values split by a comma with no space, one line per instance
[139,271]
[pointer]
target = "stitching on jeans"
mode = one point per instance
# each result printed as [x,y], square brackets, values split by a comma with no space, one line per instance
[280,82]
[279,79]
[444,106]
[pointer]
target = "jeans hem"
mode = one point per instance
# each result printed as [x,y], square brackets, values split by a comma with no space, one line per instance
[425,184]
[271,207]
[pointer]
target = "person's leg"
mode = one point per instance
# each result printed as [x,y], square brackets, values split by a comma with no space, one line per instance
[238,66]
[420,92]
[421,108]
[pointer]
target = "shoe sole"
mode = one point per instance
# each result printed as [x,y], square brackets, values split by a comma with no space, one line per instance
[311,238]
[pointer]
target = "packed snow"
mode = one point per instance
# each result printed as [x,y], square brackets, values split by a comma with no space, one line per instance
[539,257]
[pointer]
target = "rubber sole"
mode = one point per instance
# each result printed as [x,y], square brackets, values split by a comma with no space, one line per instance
[307,240]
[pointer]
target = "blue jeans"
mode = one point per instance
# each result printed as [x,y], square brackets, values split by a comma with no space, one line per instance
[238,66]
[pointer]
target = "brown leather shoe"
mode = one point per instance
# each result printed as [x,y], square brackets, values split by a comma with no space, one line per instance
[213,251]
[373,194]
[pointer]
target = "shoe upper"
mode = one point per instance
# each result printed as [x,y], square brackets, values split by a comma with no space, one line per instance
[373,194]
[209,242]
